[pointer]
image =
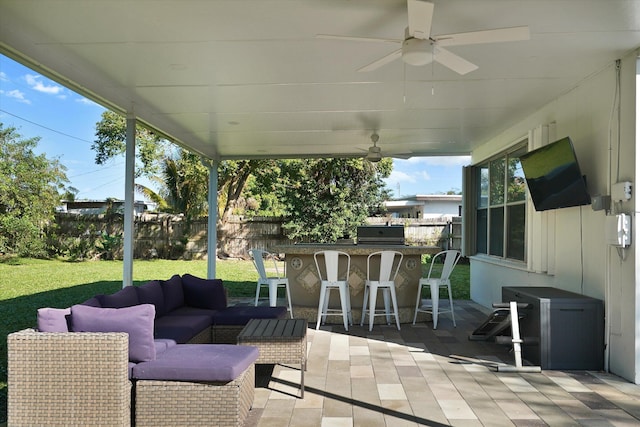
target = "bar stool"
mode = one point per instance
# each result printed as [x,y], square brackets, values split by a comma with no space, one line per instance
[332,278]
[450,259]
[390,262]
[273,283]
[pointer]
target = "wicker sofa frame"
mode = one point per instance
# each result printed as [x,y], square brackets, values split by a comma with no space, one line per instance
[82,378]
[68,379]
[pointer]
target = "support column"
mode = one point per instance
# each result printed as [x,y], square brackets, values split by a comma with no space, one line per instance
[129,178]
[212,230]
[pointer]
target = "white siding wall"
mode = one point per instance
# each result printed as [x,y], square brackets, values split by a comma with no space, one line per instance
[437,209]
[582,261]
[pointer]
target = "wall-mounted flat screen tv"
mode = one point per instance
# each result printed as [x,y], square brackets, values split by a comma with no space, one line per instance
[553,176]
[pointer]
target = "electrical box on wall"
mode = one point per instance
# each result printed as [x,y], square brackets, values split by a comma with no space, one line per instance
[618,230]
[621,191]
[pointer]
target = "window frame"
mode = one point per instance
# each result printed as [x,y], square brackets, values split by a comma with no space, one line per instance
[506,248]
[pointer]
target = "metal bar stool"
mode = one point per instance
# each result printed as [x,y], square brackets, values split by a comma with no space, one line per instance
[332,278]
[450,259]
[273,283]
[390,262]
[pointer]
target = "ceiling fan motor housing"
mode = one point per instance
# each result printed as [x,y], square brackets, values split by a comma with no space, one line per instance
[416,51]
[375,154]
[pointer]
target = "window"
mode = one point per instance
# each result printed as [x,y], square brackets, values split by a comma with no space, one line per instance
[500,206]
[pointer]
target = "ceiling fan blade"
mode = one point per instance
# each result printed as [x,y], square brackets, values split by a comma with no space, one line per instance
[356,39]
[403,156]
[453,61]
[382,61]
[486,36]
[420,16]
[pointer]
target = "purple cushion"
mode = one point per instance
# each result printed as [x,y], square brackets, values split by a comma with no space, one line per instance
[131,365]
[185,310]
[151,293]
[180,328]
[240,315]
[137,321]
[204,293]
[125,297]
[173,294]
[93,301]
[163,344]
[53,319]
[198,362]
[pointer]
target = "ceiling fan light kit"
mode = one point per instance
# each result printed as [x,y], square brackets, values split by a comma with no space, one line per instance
[416,51]
[374,155]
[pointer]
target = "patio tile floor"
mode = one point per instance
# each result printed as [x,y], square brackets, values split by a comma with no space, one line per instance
[418,376]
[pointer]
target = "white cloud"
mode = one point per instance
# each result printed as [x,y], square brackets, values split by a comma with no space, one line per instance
[439,160]
[424,175]
[398,176]
[17,95]
[36,83]
[3,76]
[85,101]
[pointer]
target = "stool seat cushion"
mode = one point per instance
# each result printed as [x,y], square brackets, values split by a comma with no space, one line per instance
[198,363]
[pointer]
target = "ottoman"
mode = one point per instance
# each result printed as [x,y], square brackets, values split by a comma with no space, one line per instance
[196,385]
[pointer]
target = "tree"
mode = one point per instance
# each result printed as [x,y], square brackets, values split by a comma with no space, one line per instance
[327,199]
[186,185]
[182,179]
[30,187]
[111,141]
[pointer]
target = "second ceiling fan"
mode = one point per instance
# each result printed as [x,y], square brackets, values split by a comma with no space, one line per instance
[420,47]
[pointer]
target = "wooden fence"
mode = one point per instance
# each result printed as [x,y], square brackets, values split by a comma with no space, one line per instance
[163,235]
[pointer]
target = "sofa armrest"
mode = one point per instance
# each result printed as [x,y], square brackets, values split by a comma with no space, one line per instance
[68,378]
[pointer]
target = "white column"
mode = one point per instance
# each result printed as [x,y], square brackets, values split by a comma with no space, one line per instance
[212,230]
[129,174]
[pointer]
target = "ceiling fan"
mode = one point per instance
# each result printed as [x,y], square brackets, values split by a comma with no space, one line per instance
[420,47]
[374,153]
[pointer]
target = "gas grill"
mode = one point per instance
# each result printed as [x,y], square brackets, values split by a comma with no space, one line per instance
[381,235]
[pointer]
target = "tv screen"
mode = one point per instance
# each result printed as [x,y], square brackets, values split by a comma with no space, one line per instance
[553,176]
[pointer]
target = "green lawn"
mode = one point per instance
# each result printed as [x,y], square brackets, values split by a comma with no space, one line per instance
[27,284]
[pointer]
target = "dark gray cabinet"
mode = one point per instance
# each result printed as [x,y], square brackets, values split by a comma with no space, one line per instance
[567,328]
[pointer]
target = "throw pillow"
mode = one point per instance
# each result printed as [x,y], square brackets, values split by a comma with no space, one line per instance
[53,319]
[137,321]
[151,293]
[173,293]
[125,297]
[204,293]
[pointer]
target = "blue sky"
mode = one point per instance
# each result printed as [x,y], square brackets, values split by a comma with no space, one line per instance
[65,122]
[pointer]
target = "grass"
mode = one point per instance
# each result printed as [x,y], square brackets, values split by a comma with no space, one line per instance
[28,284]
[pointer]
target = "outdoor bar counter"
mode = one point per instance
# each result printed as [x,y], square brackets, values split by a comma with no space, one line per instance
[305,283]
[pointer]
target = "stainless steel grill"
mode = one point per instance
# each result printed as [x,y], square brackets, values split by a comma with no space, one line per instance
[381,235]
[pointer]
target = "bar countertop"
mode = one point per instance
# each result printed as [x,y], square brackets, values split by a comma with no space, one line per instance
[353,249]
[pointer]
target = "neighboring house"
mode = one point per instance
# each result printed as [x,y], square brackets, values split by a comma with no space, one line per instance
[431,206]
[99,207]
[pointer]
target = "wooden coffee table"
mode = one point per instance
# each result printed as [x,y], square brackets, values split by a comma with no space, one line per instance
[280,341]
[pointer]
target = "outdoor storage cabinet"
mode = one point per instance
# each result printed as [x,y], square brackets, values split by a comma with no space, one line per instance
[567,328]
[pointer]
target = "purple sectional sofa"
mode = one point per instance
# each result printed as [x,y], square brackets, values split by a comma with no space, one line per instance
[189,309]
[160,340]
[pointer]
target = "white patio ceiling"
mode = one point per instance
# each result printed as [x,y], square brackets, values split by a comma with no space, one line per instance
[249,79]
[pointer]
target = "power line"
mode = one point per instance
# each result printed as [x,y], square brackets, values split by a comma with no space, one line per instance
[45,127]
[98,170]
